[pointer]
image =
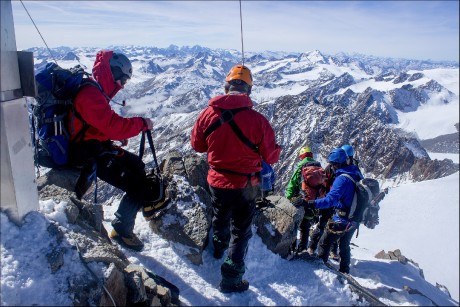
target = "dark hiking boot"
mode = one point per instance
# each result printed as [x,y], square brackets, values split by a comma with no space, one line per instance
[229,288]
[334,256]
[131,242]
[151,208]
[232,276]
[344,270]
[301,248]
[311,252]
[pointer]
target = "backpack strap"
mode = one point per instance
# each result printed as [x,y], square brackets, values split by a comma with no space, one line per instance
[81,134]
[369,192]
[354,202]
[349,177]
[226,116]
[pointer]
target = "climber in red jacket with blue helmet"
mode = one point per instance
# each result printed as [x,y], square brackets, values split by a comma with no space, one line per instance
[235,158]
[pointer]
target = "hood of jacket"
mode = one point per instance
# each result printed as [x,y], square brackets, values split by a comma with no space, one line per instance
[103,74]
[231,101]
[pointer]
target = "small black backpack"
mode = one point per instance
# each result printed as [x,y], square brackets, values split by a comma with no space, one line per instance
[365,207]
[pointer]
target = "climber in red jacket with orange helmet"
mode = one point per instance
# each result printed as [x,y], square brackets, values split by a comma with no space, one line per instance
[236,139]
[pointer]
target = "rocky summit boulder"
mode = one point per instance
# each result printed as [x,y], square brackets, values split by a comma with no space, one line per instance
[277,224]
[187,219]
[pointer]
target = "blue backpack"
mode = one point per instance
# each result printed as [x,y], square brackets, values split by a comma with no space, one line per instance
[57,87]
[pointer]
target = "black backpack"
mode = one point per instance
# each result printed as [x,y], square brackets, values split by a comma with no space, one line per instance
[57,87]
[365,207]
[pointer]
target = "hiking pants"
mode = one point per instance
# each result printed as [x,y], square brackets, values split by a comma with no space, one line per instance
[119,168]
[233,213]
[126,172]
[324,216]
[326,241]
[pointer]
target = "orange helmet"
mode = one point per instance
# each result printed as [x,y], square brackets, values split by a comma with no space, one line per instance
[240,72]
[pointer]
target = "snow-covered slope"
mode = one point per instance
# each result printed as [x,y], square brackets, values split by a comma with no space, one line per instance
[426,233]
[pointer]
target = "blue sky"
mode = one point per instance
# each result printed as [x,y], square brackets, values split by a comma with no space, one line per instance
[402,29]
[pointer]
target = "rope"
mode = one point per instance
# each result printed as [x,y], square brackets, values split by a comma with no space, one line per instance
[55,61]
[49,50]
[92,272]
[241,24]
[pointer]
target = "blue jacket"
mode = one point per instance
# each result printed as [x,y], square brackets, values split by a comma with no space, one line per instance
[342,191]
[268,177]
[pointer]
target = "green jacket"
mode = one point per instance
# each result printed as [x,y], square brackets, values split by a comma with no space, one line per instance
[295,183]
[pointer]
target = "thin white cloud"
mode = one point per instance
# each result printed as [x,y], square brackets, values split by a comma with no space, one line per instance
[408,29]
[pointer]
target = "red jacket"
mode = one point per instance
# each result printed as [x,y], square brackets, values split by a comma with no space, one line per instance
[225,150]
[94,107]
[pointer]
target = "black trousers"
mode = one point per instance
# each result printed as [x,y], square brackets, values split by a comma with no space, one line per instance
[328,238]
[324,216]
[120,168]
[233,213]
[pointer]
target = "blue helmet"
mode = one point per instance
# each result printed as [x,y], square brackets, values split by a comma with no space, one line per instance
[337,155]
[349,150]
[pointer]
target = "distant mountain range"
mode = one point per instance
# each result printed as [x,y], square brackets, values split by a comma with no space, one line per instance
[309,98]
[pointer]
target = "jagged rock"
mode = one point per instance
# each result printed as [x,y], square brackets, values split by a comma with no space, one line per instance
[55,259]
[397,255]
[64,178]
[115,285]
[197,170]
[165,295]
[95,248]
[189,225]
[426,169]
[85,291]
[443,289]
[137,292]
[416,291]
[191,166]
[173,163]
[71,211]
[186,220]
[382,255]
[277,224]
[92,244]
[157,290]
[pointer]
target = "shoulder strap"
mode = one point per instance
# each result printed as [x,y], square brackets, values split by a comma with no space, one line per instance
[81,134]
[227,117]
[354,202]
[349,177]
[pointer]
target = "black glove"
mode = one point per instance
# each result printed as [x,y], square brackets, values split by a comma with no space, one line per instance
[299,202]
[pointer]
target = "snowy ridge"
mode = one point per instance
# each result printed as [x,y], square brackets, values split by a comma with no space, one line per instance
[273,280]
